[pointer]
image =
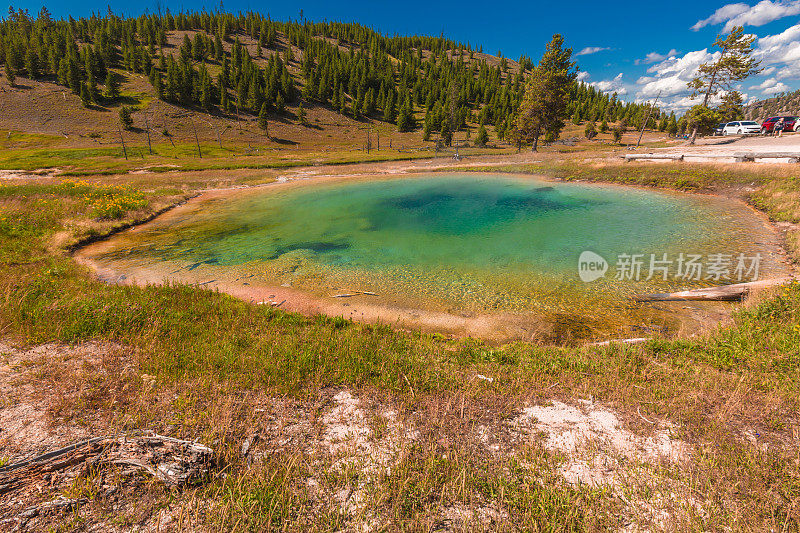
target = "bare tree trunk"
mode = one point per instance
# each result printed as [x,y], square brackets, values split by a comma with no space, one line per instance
[121,138]
[197,140]
[708,95]
[147,129]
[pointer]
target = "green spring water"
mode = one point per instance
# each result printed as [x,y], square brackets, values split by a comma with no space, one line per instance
[465,243]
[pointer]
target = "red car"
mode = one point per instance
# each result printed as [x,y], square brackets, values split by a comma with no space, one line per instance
[789,124]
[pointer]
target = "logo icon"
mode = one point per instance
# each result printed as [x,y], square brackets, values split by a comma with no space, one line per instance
[591,266]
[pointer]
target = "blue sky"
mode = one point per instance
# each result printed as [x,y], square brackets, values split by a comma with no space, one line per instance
[631,47]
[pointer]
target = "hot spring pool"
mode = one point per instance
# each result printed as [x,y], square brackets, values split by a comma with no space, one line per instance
[498,252]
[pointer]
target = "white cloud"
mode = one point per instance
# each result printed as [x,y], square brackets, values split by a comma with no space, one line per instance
[789,72]
[779,55]
[765,84]
[722,14]
[583,75]
[685,66]
[771,86]
[611,86]
[740,14]
[678,104]
[671,76]
[594,49]
[667,86]
[780,87]
[655,57]
[682,103]
[782,48]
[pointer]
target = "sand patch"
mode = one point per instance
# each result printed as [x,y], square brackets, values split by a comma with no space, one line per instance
[570,429]
[351,438]
[599,452]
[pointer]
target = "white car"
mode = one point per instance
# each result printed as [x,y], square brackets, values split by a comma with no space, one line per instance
[743,127]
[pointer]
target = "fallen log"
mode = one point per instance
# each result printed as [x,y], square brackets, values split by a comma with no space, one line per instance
[742,157]
[646,157]
[722,293]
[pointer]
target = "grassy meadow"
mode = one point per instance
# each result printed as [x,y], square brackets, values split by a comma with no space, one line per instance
[198,364]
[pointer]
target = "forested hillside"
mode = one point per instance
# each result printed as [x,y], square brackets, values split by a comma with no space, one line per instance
[784,104]
[247,65]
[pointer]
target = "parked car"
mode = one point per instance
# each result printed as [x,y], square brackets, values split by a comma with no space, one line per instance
[742,127]
[789,124]
[718,129]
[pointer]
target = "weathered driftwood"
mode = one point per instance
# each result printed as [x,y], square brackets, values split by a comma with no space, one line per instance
[354,293]
[741,157]
[61,504]
[646,157]
[272,303]
[636,340]
[723,293]
[172,461]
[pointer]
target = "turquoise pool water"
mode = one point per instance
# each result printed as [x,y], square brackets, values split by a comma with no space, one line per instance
[463,242]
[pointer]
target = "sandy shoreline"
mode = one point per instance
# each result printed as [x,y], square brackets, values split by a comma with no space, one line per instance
[492,327]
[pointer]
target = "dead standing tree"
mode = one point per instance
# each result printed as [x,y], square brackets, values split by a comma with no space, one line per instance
[122,140]
[147,129]
[733,64]
[196,138]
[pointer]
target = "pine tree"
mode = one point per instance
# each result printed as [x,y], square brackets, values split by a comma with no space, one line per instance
[590,131]
[483,136]
[446,133]
[301,114]
[86,99]
[733,64]
[358,105]
[619,129]
[405,120]
[576,117]
[218,50]
[125,117]
[672,126]
[731,107]
[500,129]
[426,130]
[32,63]
[112,86]
[604,126]
[263,122]
[158,85]
[223,98]
[544,106]
[10,76]
[389,113]
[91,86]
